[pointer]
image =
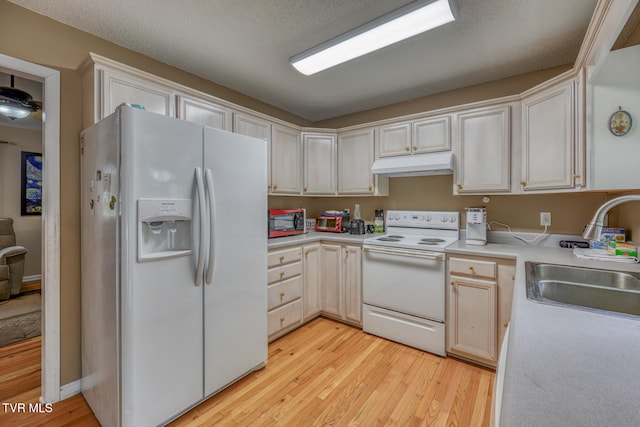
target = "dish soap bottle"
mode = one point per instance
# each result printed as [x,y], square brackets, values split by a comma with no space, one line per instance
[378,221]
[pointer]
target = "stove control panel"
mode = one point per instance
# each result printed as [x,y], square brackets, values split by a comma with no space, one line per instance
[424,219]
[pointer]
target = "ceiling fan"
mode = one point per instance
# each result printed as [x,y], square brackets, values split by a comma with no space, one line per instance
[18,104]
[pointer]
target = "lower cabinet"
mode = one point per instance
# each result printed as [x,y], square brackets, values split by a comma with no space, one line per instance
[305,281]
[473,326]
[284,291]
[326,278]
[341,281]
[479,293]
[312,293]
[352,276]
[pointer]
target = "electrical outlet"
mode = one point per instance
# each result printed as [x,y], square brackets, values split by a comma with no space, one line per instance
[545,218]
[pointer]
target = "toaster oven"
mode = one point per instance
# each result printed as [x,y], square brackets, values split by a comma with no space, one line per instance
[332,223]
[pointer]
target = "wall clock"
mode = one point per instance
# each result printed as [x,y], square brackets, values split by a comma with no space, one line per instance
[620,122]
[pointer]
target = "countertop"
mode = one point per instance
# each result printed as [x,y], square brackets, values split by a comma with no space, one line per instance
[565,367]
[317,236]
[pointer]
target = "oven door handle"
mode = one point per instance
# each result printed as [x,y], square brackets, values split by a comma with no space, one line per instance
[405,252]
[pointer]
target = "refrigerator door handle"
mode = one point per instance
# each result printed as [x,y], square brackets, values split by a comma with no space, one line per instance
[212,224]
[202,209]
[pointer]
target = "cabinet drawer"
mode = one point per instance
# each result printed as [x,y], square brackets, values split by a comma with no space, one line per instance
[283,292]
[284,316]
[284,256]
[285,272]
[473,267]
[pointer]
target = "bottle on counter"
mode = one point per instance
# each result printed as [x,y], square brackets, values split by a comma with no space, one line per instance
[378,221]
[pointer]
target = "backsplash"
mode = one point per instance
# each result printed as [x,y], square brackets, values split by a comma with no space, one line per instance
[570,211]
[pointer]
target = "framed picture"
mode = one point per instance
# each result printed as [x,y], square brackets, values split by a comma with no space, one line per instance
[31,184]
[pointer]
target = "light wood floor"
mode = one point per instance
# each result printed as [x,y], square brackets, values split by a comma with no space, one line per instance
[20,383]
[325,373]
[33,285]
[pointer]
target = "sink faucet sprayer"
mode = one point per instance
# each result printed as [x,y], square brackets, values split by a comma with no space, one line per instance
[593,230]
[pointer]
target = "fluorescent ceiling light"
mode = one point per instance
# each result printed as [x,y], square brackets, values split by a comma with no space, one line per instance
[408,21]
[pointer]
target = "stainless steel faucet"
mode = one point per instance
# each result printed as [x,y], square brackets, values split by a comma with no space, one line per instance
[594,228]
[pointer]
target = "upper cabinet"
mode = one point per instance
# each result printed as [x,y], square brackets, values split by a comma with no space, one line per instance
[431,135]
[286,160]
[426,135]
[552,139]
[115,87]
[355,158]
[284,155]
[534,142]
[395,139]
[483,151]
[246,124]
[319,163]
[205,113]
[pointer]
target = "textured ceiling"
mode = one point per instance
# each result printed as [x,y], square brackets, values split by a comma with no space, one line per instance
[245,45]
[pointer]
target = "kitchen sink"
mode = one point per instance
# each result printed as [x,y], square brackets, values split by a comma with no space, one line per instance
[613,292]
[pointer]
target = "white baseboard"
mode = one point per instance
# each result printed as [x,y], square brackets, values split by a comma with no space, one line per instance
[31,278]
[70,389]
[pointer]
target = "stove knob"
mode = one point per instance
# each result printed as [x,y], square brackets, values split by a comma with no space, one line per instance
[452,219]
[428,218]
[443,219]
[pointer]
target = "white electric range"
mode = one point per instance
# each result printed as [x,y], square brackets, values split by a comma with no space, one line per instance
[403,278]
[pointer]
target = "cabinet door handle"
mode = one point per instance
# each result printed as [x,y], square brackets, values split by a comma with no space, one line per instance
[281,258]
[281,295]
[523,183]
[575,176]
[370,188]
[281,321]
[505,324]
[305,189]
[415,148]
[472,269]
[269,188]
[452,283]
[275,187]
[281,274]
[459,186]
[407,148]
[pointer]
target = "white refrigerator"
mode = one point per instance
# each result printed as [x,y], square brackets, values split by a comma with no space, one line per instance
[174,264]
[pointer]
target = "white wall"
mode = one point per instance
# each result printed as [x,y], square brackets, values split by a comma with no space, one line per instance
[614,159]
[27,228]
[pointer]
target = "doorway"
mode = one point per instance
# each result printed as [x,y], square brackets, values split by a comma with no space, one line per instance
[50,219]
[20,214]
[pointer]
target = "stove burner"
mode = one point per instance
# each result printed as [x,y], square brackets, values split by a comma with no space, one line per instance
[431,241]
[422,242]
[389,239]
[395,237]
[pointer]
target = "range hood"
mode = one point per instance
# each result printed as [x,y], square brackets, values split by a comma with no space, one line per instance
[416,165]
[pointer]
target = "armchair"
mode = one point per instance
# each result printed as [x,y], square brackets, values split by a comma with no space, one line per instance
[11,260]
